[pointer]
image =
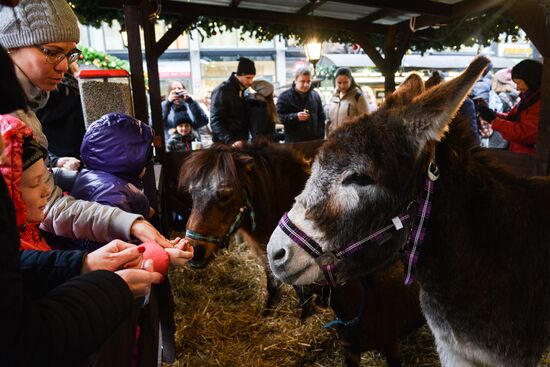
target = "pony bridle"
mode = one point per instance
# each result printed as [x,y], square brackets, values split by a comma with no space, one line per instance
[327,259]
[222,241]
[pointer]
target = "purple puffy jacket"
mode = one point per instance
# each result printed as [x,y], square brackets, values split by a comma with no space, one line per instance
[114,151]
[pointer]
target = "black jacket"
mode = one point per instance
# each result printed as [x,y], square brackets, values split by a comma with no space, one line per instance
[172,114]
[227,112]
[290,103]
[50,315]
[62,120]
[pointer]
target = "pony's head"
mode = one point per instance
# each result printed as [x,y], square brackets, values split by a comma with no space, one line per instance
[366,174]
[218,181]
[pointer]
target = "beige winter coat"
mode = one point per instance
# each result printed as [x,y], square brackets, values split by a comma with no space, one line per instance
[65,215]
[353,103]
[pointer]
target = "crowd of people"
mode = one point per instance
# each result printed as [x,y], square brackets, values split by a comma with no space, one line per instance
[73,211]
[503,108]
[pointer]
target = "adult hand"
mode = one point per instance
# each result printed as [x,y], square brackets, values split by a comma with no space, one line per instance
[173,96]
[68,163]
[145,232]
[181,253]
[113,256]
[139,280]
[486,113]
[303,116]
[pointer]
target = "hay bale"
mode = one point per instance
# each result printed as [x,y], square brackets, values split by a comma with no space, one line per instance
[219,322]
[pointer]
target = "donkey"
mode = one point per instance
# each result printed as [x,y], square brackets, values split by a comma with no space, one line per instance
[245,190]
[477,238]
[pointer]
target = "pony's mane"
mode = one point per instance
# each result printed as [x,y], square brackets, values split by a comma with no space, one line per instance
[255,168]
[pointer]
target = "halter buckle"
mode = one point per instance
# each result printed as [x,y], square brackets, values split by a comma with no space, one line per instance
[327,258]
[433,171]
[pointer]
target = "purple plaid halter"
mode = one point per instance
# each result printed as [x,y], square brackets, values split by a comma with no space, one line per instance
[327,260]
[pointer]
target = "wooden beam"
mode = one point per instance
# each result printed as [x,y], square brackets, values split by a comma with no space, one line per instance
[417,6]
[290,19]
[225,12]
[543,138]
[472,7]
[152,58]
[132,19]
[464,8]
[172,34]
[309,8]
[379,14]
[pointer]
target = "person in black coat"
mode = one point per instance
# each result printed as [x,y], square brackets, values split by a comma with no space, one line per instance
[63,123]
[227,111]
[301,110]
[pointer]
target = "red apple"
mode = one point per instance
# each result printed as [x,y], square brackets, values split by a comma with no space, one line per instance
[155,252]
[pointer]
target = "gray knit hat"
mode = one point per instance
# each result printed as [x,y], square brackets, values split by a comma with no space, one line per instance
[36,22]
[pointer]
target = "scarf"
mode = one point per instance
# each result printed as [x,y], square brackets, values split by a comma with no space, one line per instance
[528,99]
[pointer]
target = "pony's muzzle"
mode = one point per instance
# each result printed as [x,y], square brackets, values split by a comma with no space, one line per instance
[199,257]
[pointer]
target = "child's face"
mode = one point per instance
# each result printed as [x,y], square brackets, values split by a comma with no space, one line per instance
[35,191]
[183,129]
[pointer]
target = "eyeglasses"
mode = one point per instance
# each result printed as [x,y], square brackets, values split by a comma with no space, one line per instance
[55,57]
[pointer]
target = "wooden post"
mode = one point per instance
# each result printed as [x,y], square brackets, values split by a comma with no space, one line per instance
[394,50]
[543,139]
[152,59]
[132,19]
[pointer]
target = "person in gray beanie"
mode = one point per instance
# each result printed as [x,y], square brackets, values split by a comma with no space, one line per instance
[41,38]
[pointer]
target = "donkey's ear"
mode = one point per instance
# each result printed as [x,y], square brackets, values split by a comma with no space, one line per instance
[431,112]
[410,88]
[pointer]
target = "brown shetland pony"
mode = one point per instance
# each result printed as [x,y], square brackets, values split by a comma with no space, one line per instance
[245,188]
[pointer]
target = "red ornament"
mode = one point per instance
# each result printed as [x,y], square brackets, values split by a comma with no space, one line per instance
[214,33]
[355,47]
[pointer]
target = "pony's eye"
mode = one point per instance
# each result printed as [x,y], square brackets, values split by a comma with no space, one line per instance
[358,179]
[225,195]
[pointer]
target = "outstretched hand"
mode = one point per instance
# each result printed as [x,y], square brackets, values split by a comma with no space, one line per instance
[181,253]
[145,232]
[113,256]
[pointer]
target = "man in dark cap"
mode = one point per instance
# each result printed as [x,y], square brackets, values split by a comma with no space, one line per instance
[227,113]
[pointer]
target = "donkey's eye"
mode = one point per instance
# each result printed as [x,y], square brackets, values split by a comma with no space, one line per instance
[358,179]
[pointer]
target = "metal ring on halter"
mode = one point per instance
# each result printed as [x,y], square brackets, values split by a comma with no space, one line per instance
[327,258]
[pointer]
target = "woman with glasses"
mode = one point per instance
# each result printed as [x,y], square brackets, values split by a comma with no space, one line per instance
[41,38]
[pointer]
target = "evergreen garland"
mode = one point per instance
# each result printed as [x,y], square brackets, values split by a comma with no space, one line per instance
[101,60]
[481,29]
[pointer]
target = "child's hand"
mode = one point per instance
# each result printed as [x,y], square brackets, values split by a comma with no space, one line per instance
[151,213]
[181,253]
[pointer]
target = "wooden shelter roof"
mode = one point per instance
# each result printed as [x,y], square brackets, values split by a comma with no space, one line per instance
[367,15]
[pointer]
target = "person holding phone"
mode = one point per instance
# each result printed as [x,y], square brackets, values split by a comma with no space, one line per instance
[301,110]
[180,106]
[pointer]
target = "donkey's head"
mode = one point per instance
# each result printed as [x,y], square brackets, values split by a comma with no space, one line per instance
[218,181]
[366,174]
